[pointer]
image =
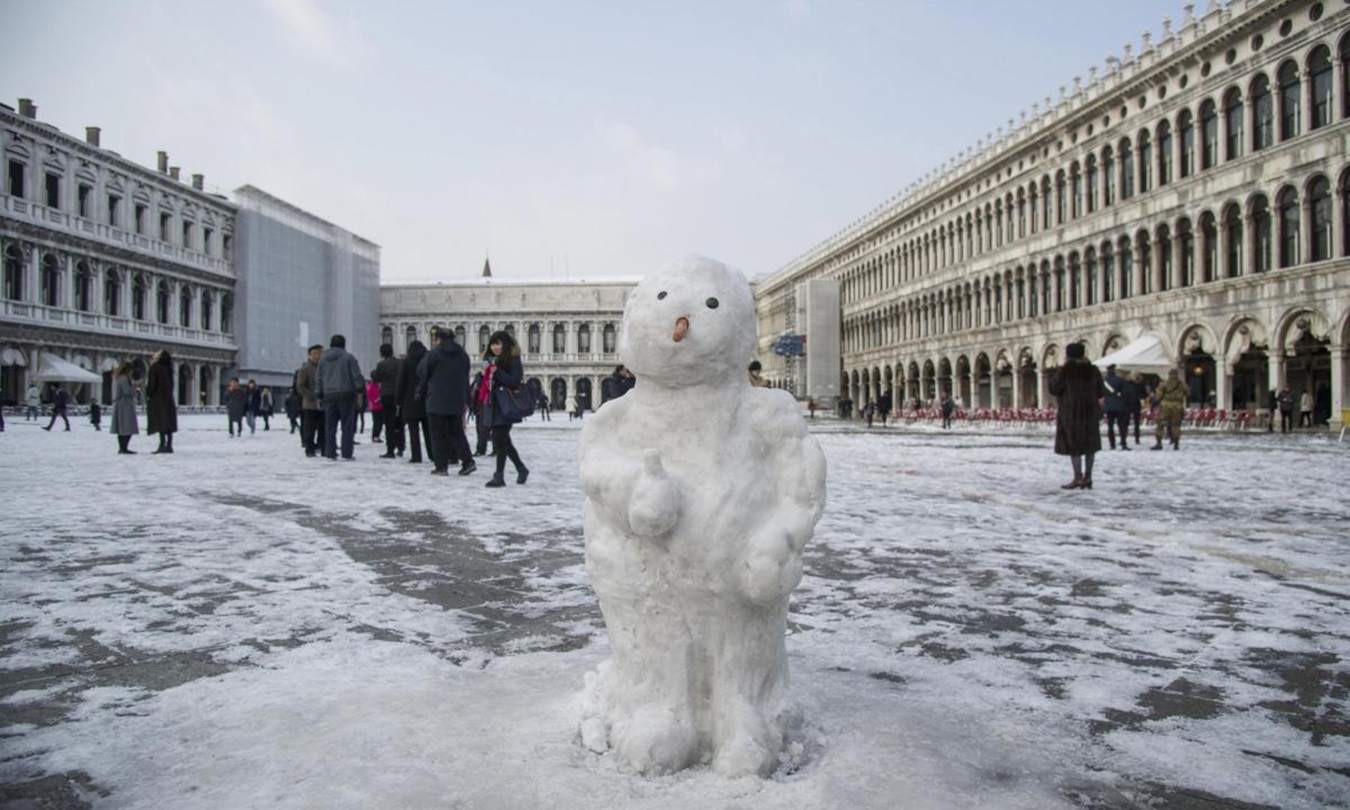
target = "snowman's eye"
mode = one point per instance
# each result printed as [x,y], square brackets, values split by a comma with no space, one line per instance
[660,295]
[712,303]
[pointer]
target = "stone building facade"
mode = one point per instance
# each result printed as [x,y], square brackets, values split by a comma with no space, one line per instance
[105,260]
[1197,191]
[568,331]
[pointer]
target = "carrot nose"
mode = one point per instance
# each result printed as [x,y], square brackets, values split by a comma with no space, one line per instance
[681,327]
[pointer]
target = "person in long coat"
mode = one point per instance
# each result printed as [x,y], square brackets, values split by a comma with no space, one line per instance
[124,424]
[444,387]
[236,403]
[506,371]
[161,412]
[411,410]
[1079,389]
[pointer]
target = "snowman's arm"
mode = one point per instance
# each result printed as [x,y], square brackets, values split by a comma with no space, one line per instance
[797,465]
[608,474]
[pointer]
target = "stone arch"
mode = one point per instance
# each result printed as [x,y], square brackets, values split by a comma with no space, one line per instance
[1297,320]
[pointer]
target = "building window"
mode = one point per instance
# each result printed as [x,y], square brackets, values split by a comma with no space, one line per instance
[1126,268]
[1186,129]
[409,335]
[1046,202]
[1108,273]
[1145,263]
[1075,281]
[483,334]
[187,235]
[584,339]
[1145,162]
[185,308]
[1108,176]
[1345,78]
[1262,234]
[533,339]
[84,293]
[1209,135]
[112,293]
[82,199]
[1076,181]
[206,311]
[1319,70]
[1059,198]
[609,339]
[1232,105]
[1289,98]
[13,272]
[1090,277]
[114,210]
[164,220]
[140,219]
[1126,169]
[17,175]
[1165,156]
[162,301]
[387,336]
[1209,248]
[227,247]
[1288,228]
[1164,259]
[50,281]
[1319,201]
[461,336]
[138,293]
[1232,226]
[1091,183]
[1263,114]
[207,233]
[559,339]
[53,190]
[227,315]
[1186,238]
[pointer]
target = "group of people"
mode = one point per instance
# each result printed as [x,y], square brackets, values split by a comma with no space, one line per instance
[245,404]
[426,395]
[1084,394]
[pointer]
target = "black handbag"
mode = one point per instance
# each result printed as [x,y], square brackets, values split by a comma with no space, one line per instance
[514,403]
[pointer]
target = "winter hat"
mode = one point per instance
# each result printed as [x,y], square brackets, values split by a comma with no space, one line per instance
[1075,351]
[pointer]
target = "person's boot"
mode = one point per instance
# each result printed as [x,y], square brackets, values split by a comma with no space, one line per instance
[1176,444]
[160,449]
[496,481]
[522,472]
[468,467]
[1157,446]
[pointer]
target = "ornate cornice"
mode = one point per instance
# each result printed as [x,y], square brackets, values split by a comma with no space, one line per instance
[47,337]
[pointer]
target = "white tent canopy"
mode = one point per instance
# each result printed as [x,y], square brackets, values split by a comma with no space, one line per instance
[54,369]
[1145,354]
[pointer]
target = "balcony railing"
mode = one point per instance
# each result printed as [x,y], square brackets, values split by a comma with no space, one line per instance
[23,311]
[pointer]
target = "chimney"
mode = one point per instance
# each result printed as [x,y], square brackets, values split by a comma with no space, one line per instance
[91,135]
[197,181]
[173,172]
[163,162]
[27,108]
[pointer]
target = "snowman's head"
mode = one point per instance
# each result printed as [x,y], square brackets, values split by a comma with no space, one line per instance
[692,321]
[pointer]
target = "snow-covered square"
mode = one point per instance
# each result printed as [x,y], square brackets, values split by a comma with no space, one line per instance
[236,625]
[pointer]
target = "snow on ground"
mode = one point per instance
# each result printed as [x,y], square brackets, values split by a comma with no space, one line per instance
[238,626]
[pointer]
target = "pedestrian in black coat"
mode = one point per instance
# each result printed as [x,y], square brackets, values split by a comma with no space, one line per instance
[1079,389]
[1118,396]
[161,411]
[506,371]
[412,410]
[444,389]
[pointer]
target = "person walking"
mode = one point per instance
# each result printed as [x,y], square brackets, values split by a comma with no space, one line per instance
[570,405]
[340,386]
[506,371]
[444,387]
[1285,399]
[266,407]
[123,424]
[60,403]
[1134,402]
[385,375]
[1171,407]
[253,404]
[948,407]
[1079,388]
[96,415]
[311,415]
[293,404]
[1305,409]
[411,409]
[1117,408]
[480,408]
[32,399]
[161,412]
[371,396]
[236,405]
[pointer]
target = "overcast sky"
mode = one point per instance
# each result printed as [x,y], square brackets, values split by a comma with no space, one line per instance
[563,139]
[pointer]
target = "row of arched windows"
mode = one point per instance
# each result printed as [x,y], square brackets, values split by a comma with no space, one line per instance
[1244,118]
[1243,238]
[150,300]
[609,336]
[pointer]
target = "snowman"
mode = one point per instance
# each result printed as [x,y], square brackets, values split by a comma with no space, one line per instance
[701,492]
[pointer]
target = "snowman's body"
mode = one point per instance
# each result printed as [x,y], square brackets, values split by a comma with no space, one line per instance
[701,492]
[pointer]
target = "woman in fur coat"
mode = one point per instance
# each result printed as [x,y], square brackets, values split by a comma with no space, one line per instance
[1079,389]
